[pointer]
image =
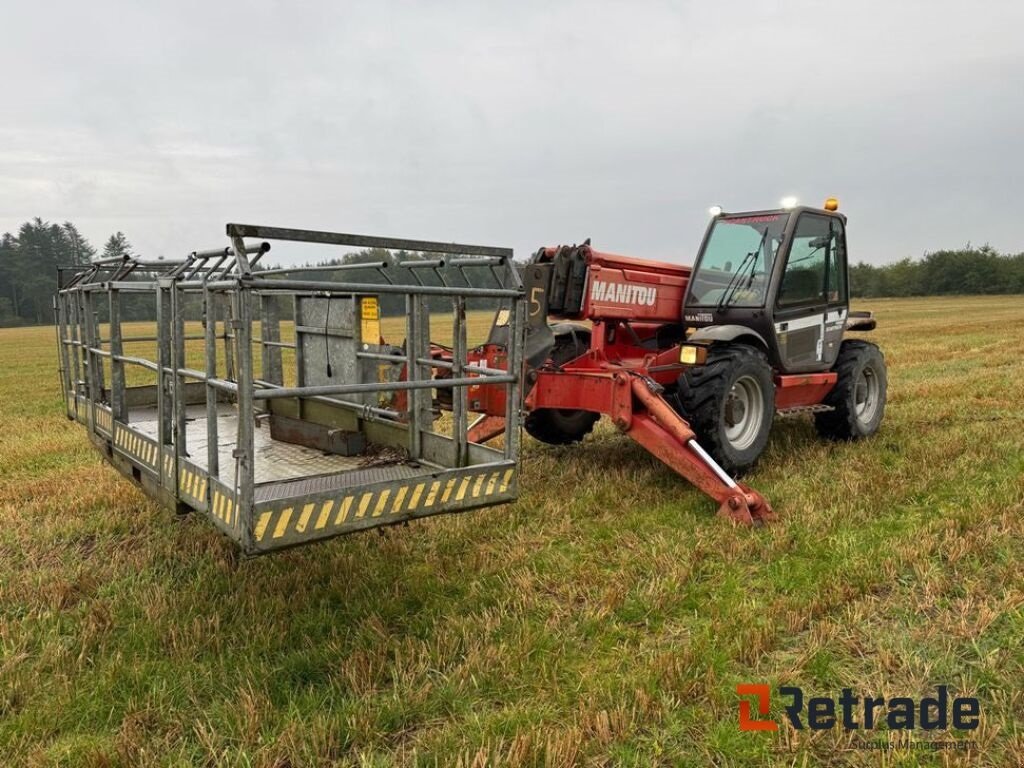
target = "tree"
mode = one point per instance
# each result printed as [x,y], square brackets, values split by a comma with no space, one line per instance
[117,246]
[9,268]
[41,248]
[79,249]
[28,268]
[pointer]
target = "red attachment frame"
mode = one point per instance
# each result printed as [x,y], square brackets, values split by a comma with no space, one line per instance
[627,390]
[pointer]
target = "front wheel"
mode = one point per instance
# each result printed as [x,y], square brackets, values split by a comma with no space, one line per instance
[858,398]
[730,404]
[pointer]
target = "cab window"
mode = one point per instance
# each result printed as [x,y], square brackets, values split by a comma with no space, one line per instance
[810,253]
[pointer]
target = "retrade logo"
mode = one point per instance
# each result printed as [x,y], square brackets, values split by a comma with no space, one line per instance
[852,712]
[762,692]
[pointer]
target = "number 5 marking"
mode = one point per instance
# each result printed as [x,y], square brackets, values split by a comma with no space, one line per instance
[535,301]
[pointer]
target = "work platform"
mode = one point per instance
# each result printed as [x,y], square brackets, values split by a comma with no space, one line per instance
[353,444]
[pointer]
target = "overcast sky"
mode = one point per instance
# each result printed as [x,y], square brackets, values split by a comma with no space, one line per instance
[514,124]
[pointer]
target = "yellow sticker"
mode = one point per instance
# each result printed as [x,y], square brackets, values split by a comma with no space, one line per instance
[369,312]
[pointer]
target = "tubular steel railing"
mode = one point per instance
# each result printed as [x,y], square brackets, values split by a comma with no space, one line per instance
[175,434]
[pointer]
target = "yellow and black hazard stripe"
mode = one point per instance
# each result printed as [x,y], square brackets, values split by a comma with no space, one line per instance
[138,448]
[192,482]
[224,508]
[104,420]
[418,496]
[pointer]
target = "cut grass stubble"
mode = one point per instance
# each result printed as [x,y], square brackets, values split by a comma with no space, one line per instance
[606,617]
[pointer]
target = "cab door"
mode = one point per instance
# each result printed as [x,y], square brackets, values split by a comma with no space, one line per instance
[837,295]
[810,306]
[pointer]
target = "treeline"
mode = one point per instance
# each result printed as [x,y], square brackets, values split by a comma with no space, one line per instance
[28,267]
[29,259]
[965,271]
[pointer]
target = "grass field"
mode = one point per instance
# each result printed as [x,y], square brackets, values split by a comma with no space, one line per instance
[604,619]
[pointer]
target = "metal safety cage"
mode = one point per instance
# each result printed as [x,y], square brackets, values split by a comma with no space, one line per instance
[272,403]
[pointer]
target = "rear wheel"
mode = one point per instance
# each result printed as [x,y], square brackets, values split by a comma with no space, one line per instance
[561,426]
[730,404]
[858,399]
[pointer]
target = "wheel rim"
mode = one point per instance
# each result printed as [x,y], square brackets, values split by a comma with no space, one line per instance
[866,395]
[744,412]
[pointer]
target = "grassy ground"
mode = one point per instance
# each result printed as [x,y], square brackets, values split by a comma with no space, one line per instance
[605,618]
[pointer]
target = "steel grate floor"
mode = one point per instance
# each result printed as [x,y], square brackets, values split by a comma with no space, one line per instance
[291,468]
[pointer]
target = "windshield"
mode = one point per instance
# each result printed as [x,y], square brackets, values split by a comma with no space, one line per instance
[737,261]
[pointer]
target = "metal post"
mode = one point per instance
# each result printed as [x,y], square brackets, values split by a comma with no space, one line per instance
[91,360]
[165,424]
[412,352]
[227,316]
[514,391]
[459,394]
[424,373]
[212,451]
[244,450]
[97,342]
[117,382]
[241,260]
[177,363]
[270,333]
[300,364]
[60,312]
[75,350]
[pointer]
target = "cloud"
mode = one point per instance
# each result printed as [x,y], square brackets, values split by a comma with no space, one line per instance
[513,124]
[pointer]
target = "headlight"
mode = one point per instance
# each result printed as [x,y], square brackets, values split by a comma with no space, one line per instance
[693,354]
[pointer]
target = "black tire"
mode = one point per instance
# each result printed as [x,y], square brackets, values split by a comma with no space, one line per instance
[858,398]
[562,426]
[730,404]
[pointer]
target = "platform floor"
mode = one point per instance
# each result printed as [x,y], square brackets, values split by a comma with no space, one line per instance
[283,469]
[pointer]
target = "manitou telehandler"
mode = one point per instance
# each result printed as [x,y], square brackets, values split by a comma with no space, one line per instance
[269,401]
[694,363]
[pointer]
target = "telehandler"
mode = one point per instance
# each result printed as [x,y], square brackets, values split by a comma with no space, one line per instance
[694,363]
[301,423]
